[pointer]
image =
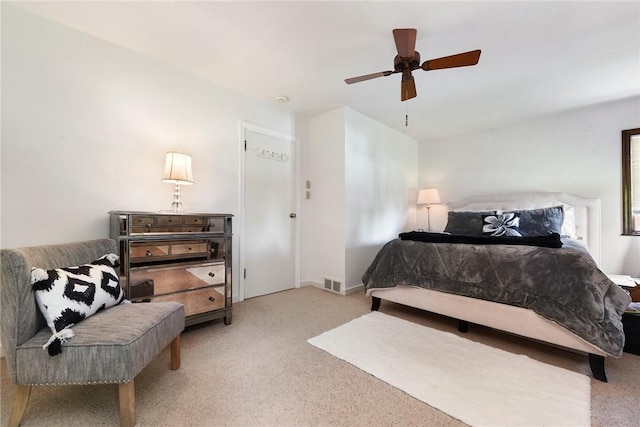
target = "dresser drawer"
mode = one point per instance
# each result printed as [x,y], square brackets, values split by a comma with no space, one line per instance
[142,224]
[179,250]
[198,301]
[195,220]
[149,251]
[142,221]
[174,278]
[182,248]
[169,220]
[212,274]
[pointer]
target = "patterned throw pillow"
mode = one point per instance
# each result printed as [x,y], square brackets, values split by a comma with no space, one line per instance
[66,296]
[501,225]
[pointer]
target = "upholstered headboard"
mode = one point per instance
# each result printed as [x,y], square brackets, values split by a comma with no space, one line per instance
[585,210]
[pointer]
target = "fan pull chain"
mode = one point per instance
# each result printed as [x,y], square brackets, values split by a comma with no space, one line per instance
[406,114]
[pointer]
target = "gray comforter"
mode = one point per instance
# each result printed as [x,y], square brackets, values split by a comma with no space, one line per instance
[563,285]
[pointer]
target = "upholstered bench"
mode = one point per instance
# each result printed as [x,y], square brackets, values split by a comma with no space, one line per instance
[111,346]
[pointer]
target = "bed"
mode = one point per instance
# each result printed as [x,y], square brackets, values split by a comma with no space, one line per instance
[417,271]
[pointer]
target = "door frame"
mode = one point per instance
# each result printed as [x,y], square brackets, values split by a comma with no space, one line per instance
[295,181]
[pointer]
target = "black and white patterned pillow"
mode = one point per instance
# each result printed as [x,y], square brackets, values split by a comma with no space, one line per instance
[68,295]
[501,225]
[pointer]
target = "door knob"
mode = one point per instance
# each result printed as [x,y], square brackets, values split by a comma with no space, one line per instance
[292,215]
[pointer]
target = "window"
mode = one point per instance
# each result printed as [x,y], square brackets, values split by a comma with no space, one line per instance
[631,182]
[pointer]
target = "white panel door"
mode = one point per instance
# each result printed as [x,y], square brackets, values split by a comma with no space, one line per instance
[269,215]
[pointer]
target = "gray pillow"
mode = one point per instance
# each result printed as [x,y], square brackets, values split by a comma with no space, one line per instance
[540,222]
[466,223]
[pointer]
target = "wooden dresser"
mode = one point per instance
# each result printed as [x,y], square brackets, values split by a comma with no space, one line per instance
[184,257]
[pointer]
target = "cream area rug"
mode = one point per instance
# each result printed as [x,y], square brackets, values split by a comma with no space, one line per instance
[475,383]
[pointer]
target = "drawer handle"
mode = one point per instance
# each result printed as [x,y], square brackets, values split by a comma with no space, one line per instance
[148,253]
[188,248]
[149,225]
[211,274]
[212,299]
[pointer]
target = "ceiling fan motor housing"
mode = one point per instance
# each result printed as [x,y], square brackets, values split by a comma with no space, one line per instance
[412,63]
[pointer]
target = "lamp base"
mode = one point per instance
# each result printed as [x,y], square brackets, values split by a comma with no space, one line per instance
[176,206]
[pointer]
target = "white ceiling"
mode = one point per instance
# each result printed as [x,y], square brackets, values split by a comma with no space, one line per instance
[537,57]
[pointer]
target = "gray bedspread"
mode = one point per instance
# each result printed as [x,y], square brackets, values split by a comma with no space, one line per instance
[563,285]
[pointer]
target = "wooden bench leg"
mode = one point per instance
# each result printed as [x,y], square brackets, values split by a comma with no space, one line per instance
[127,397]
[20,401]
[175,353]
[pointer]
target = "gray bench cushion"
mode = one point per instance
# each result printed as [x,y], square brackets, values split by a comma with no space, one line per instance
[112,346]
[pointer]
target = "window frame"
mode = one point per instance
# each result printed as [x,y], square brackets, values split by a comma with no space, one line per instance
[627,217]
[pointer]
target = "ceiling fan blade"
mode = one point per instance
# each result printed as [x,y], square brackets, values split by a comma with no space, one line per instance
[460,60]
[405,42]
[367,77]
[408,89]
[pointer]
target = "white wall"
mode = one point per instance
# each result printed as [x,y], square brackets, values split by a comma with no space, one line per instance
[85,127]
[577,152]
[381,176]
[363,183]
[324,222]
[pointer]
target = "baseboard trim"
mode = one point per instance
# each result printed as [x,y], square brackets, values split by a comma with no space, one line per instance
[354,289]
[349,291]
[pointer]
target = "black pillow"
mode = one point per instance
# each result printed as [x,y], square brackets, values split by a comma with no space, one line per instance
[501,225]
[540,222]
[466,223]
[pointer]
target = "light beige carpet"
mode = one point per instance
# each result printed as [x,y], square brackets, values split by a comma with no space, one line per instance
[260,371]
[475,383]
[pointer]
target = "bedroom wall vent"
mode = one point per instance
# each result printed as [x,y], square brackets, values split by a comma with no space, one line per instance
[332,285]
[336,286]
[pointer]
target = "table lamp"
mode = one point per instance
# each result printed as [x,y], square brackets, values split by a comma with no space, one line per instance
[428,196]
[177,170]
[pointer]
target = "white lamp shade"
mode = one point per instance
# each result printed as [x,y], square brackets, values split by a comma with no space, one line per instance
[177,168]
[427,196]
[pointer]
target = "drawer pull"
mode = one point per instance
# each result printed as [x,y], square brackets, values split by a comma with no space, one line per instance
[212,299]
[148,253]
[211,274]
[189,248]
[149,225]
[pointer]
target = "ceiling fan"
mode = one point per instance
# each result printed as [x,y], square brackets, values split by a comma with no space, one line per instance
[408,59]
